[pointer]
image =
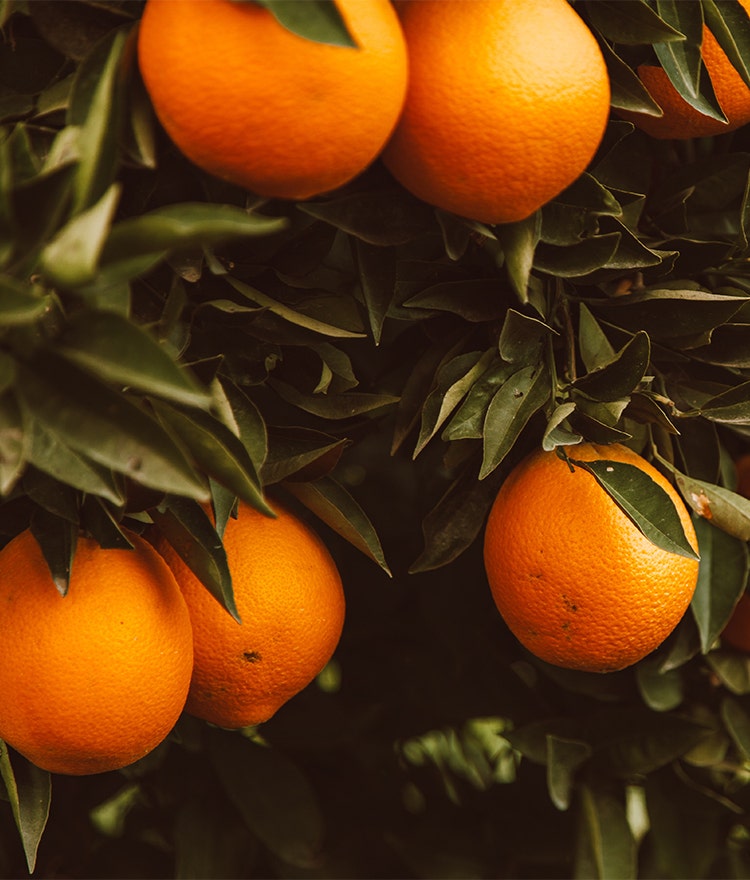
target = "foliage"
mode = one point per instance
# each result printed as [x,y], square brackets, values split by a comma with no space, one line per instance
[166,338]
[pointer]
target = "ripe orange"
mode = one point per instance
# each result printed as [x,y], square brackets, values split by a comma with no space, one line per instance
[574,579]
[94,680]
[506,106]
[290,598]
[252,103]
[682,121]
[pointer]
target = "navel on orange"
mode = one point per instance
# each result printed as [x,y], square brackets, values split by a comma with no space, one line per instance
[254,104]
[575,580]
[506,106]
[94,680]
[290,599]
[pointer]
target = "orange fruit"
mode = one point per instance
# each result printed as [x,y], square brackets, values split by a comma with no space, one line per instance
[96,679]
[679,119]
[290,599]
[742,466]
[254,104]
[736,633]
[575,580]
[506,106]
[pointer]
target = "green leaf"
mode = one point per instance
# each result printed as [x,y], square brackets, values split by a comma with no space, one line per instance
[737,722]
[596,349]
[295,452]
[564,758]
[187,527]
[333,406]
[621,375]
[330,501]
[71,258]
[661,690]
[627,89]
[605,848]
[218,452]
[722,577]
[729,407]
[730,25]
[645,503]
[518,242]
[57,538]
[289,314]
[13,443]
[732,669]
[629,23]
[30,793]
[510,409]
[246,422]
[105,426]
[21,303]
[272,795]
[725,509]
[317,20]
[467,422]
[119,351]
[377,275]
[522,339]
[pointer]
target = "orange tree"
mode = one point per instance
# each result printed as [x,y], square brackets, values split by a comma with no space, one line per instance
[379,366]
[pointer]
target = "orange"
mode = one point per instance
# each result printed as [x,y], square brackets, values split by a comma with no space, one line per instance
[742,466]
[96,679]
[736,633]
[506,106]
[290,600]
[577,583]
[254,104]
[679,119]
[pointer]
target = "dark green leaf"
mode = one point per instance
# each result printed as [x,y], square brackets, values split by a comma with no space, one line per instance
[57,538]
[295,452]
[630,23]
[475,299]
[730,25]
[519,241]
[721,580]
[513,405]
[564,758]
[605,848]
[596,350]
[274,798]
[21,303]
[467,422]
[317,20]
[729,407]
[377,275]
[726,510]
[732,669]
[333,406]
[30,793]
[628,91]
[661,690]
[98,520]
[522,339]
[577,260]
[621,375]
[105,426]
[187,527]
[13,443]
[646,504]
[330,501]
[737,722]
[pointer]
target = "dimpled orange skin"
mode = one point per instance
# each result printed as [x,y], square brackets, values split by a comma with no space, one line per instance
[576,582]
[506,106]
[290,599]
[94,680]
[680,120]
[254,104]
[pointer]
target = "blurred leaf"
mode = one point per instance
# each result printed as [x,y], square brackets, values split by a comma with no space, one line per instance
[30,794]
[21,303]
[721,580]
[519,241]
[13,443]
[605,848]
[70,259]
[737,722]
[564,758]
[330,501]
[104,426]
[453,524]
[621,375]
[210,843]
[732,670]
[57,538]
[512,406]
[317,20]
[218,452]
[274,798]
[289,314]
[119,351]
[645,503]
[661,690]
[187,527]
[332,406]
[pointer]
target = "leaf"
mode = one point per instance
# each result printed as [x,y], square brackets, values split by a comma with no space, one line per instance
[289,314]
[104,426]
[218,452]
[377,276]
[188,529]
[71,258]
[298,452]
[722,576]
[513,405]
[725,509]
[564,758]
[273,797]
[737,723]
[522,339]
[629,23]
[643,501]
[730,25]
[333,406]
[21,303]
[57,539]
[335,506]
[13,443]
[518,242]
[596,349]
[729,407]
[621,375]
[661,690]
[467,422]
[605,848]
[30,793]
[317,20]
[627,89]
[117,350]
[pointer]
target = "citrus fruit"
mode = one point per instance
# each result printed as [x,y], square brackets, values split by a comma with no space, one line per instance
[290,599]
[506,105]
[261,107]
[575,580]
[736,633]
[96,679]
[742,467]
[679,119]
